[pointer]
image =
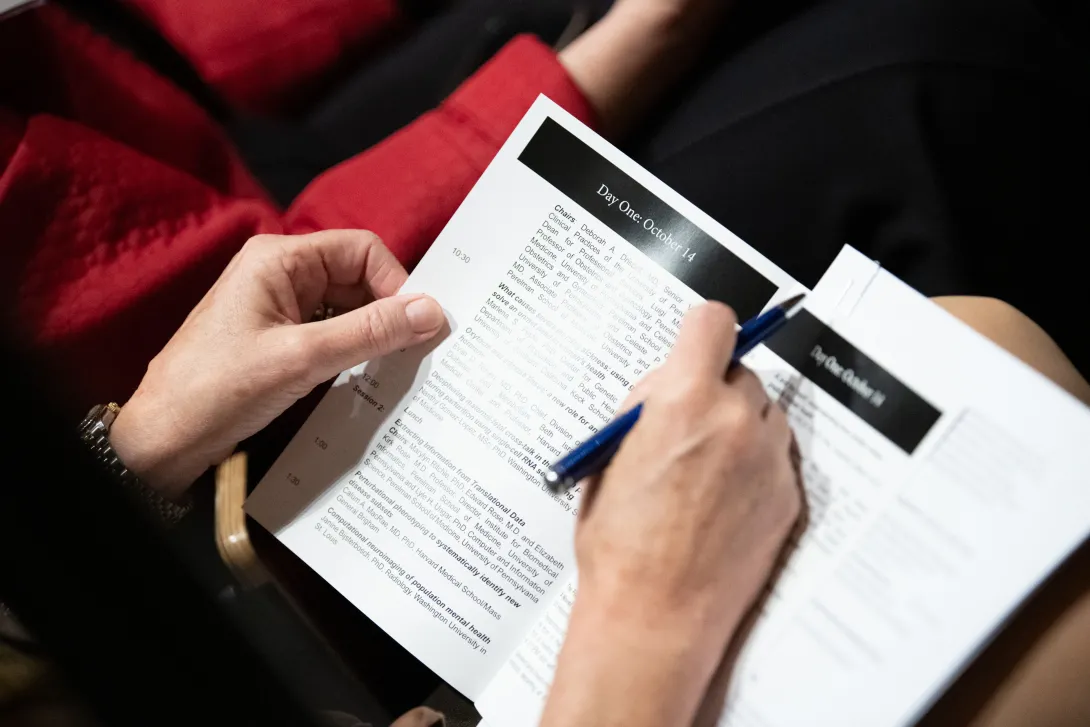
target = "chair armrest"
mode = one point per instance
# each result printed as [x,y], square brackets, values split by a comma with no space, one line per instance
[232,537]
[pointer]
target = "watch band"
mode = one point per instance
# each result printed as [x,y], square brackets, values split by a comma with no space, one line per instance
[94,430]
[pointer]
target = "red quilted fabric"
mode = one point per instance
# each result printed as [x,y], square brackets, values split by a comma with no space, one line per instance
[120,200]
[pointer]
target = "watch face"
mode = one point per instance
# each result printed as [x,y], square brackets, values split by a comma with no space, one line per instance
[95,422]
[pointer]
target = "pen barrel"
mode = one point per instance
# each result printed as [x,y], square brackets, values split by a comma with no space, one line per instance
[753,334]
[593,455]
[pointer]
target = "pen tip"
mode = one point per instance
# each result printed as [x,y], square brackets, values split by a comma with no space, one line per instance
[557,483]
[792,302]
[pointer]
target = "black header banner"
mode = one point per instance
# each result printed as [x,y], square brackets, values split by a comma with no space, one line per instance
[657,230]
[848,375]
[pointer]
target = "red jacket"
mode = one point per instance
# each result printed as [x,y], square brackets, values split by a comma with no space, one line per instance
[121,201]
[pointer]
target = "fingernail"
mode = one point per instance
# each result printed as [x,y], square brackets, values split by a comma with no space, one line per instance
[437,719]
[425,315]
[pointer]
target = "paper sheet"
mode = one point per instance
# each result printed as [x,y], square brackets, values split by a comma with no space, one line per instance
[415,488]
[945,482]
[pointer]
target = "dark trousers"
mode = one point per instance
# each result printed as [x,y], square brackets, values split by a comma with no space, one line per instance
[945,138]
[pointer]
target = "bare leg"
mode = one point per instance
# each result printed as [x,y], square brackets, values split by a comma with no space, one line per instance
[1022,337]
[1035,673]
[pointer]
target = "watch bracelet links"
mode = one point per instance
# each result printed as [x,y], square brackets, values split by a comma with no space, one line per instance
[95,435]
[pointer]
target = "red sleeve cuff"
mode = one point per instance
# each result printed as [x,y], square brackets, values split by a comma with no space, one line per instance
[495,99]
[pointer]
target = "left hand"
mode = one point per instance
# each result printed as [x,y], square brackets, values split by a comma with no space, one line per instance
[246,352]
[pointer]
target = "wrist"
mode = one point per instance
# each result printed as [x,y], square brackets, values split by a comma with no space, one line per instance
[691,623]
[149,448]
[623,670]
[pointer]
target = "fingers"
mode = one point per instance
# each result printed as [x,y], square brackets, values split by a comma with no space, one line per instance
[704,349]
[773,419]
[347,297]
[352,258]
[372,331]
[706,341]
[752,390]
[640,391]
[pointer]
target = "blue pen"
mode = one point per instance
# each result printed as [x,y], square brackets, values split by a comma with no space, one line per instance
[593,455]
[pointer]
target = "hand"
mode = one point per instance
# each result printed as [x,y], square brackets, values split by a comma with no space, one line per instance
[678,538]
[627,60]
[246,352]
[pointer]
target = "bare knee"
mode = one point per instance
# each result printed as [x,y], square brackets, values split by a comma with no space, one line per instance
[1011,329]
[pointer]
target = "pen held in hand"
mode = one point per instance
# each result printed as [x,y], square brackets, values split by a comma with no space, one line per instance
[594,455]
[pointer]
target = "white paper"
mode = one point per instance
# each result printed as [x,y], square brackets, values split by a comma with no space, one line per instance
[415,487]
[517,694]
[995,499]
[914,558]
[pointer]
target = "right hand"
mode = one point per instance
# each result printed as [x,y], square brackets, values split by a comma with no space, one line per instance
[680,535]
[692,513]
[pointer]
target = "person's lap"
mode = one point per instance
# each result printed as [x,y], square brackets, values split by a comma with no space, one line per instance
[941,138]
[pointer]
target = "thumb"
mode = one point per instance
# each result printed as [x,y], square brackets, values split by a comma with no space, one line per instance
[372,331]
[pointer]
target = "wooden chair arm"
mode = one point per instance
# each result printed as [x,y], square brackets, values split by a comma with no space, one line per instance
[232,537]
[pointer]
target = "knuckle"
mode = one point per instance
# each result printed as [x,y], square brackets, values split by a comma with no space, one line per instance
[744,376]
[720,314]
[261,251]
[739,418]
[377,328]
[370,239]
[298,353]
[258,244]
[685,391]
